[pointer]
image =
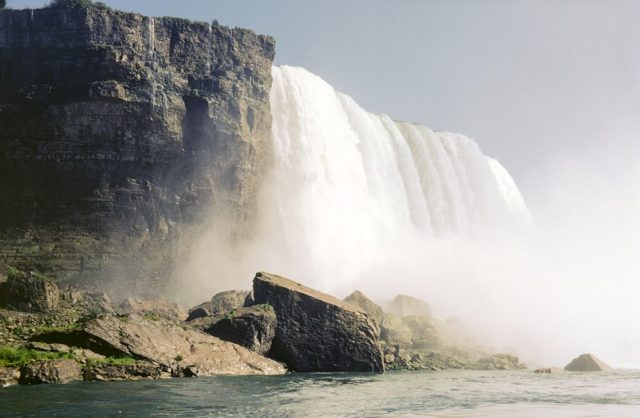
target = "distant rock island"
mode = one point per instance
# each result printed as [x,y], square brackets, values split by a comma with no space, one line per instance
[586,363]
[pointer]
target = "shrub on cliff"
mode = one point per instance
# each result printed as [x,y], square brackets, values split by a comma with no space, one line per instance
[72,3]
[85,4]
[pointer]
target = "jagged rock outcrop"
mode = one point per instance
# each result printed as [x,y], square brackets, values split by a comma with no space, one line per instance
[374,311]
[119,372]
[117,130]
[548,370]
[9,376]
[153,307]
[317,332]
[500,361]
[587,363]
[403,305]
[219,304]
[50,371]
[29,292]
[253,327]
[394,331]
[179,349]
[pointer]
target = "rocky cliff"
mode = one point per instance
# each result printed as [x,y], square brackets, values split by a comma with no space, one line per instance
[118,132]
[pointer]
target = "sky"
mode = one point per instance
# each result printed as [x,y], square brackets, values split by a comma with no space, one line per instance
[530,81]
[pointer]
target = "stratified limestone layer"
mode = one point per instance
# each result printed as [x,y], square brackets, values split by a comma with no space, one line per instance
[117,129]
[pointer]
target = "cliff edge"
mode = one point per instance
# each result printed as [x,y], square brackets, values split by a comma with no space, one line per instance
[118,132]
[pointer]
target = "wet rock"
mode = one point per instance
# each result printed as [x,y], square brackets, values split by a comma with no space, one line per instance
[374,311]
[500,361]
[117,372]
[586,363]
[317,332]
[424,334]
[151,307]
[172,345]
[8,376]
[548,370]
[397,358]
[219,304]
[394,331]
[252,327]
[95,303]
[29,292]
[403,305]
[50,371]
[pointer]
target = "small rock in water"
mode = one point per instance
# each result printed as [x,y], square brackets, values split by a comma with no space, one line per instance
[8,376]
[50,371]
[547,370]
[586,363]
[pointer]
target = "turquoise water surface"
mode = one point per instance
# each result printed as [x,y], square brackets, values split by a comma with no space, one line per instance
[456,393]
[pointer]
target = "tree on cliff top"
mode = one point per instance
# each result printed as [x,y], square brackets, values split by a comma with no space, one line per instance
[85,4]
[3,3]
[72,3]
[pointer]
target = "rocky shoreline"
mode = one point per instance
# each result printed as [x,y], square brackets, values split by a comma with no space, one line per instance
[57,335]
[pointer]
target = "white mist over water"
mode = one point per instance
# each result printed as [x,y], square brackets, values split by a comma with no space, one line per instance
[358,201]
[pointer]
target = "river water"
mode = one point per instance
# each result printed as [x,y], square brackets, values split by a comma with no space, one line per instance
[397,394]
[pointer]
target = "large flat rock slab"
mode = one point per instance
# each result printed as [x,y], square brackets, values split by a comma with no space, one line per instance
[317,332]
[178,348]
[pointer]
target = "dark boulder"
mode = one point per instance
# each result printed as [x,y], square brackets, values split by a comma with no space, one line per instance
[29,292]
[219,304]
[317,332]
[252,327]
[586,363]
[50,371]
[374,311]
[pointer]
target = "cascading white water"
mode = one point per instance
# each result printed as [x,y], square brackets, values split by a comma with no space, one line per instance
[347,184]
[358,201]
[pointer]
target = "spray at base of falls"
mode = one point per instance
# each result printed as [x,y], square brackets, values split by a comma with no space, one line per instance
[347,186]
[358,201]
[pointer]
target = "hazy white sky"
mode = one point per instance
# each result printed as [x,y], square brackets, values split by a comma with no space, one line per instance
[529,80]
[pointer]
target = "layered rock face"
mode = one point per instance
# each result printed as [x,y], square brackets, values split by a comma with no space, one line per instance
[117,129]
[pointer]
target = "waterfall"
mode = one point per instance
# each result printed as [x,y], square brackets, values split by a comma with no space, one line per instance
[347,184]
